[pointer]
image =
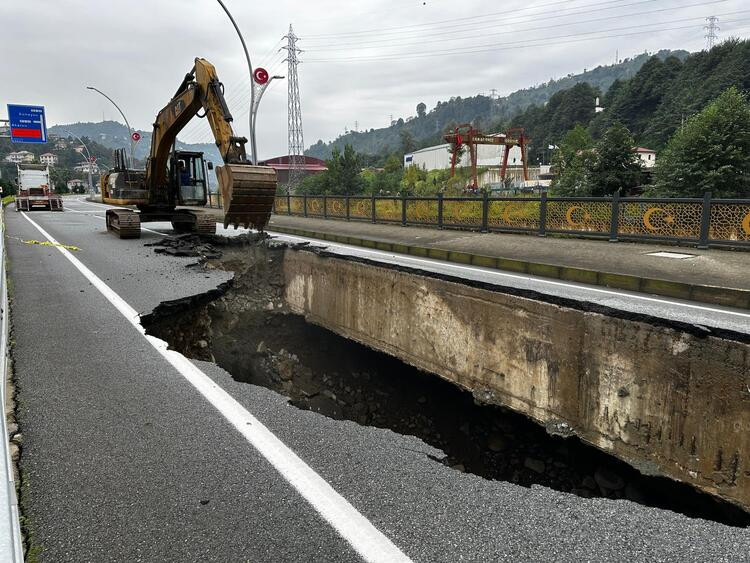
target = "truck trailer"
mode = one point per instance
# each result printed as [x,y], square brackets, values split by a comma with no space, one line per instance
[35,189]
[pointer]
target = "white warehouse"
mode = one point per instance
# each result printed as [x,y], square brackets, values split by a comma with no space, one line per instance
[438,157]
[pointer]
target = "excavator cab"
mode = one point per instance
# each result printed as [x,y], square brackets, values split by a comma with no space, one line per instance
[187,176]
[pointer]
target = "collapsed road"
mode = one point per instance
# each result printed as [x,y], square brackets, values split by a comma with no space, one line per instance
[124,457]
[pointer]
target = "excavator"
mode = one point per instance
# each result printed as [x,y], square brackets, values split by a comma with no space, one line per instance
[175,178]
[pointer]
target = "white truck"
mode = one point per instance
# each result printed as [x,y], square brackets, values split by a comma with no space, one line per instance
[35,190]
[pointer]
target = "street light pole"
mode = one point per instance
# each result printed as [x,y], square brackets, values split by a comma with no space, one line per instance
[91,183]
[256,102]
[130,131]
[251,120]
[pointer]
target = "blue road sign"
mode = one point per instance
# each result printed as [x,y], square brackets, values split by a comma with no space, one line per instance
[27,124]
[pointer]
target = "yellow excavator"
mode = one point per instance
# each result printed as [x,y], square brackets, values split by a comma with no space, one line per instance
[175,178]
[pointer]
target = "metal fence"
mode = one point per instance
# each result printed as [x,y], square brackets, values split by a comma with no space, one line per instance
[701,221]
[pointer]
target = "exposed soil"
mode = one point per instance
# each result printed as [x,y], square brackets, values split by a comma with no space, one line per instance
[246,329]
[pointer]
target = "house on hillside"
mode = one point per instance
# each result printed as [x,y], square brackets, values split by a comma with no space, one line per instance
[20,157]
[84,167]
[647,156]
[48,158]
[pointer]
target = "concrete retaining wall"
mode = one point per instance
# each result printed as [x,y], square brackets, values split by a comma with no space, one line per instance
[666,401]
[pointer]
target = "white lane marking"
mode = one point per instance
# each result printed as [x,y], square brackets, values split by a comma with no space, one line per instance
[84,212]
[408,257]
[362,535]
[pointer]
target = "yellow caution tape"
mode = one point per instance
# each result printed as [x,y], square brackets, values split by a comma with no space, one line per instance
[47,243]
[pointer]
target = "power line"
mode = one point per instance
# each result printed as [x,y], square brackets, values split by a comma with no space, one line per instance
[357,46]
[501,46]
[452,21]
[236,101]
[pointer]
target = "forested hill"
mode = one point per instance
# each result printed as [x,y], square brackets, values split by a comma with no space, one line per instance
[113,134]
[652,104]
[426,128]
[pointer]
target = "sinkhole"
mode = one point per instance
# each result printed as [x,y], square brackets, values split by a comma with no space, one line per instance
[247,330]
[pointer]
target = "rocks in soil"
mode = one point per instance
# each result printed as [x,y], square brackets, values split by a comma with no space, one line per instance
[536,465]
[608,480]
[496,443]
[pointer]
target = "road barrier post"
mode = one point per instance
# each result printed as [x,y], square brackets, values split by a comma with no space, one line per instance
[440,210]
[347,208]
[485,211]
[543,216]
[288,203]
[705,221]
[325,206]
[374,213]
[304,203]
[614,221]
[403,210]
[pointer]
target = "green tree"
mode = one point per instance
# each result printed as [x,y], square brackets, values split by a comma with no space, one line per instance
[408,144]
[615,165]
[711,153]
[343,176]
[393,164]
[570,163]
[413,177]
[421,109]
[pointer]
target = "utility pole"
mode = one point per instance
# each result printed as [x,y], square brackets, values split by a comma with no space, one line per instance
[712,29]
[294,114]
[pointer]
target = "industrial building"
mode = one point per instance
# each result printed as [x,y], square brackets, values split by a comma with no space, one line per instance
[438,157]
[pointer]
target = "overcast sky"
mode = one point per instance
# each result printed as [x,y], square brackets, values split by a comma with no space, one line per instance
[363,62]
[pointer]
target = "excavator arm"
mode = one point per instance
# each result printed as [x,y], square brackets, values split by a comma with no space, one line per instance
[247,190]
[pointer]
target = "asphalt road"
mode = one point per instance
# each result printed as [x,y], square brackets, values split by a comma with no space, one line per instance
[129,456]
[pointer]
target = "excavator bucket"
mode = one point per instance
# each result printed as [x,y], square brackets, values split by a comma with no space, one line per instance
[247,194]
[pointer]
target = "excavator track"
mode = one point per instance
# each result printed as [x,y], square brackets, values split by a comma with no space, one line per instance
[205,224]
[125,223]
[248,193]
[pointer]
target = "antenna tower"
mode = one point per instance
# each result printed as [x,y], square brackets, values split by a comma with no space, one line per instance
[711,28]
[294,114]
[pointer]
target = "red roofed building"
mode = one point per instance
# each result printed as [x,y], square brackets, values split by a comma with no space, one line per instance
[282,165]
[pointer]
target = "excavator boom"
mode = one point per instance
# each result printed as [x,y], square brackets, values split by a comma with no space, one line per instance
[247,190]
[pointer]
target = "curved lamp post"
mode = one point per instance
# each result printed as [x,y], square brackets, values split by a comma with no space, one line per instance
[88,154]
[130,131]
[253,148]
[259,89]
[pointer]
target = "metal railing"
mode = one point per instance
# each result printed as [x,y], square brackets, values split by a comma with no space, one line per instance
[11,543]
[700,221]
